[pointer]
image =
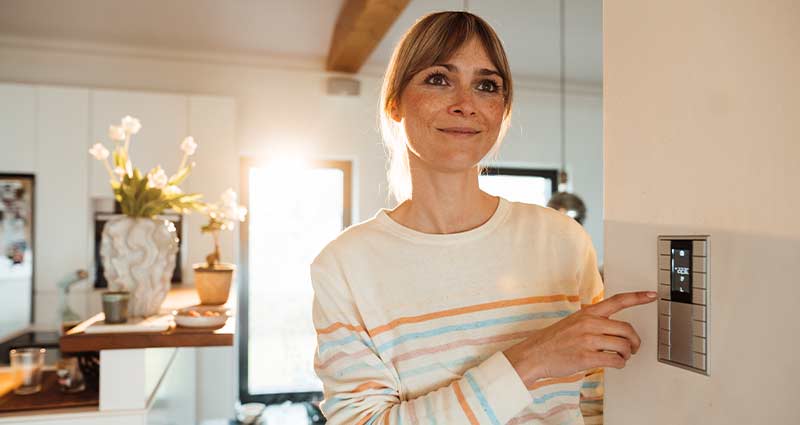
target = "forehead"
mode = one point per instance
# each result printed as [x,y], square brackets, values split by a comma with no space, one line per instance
[471,54]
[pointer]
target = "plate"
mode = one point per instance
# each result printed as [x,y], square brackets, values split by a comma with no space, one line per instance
[201,321]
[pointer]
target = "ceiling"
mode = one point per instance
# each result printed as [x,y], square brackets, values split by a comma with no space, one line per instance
[302,29]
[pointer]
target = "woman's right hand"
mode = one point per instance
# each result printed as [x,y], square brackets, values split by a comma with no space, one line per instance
[584,340]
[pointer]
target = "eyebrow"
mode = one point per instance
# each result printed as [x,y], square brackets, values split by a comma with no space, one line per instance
[483,71]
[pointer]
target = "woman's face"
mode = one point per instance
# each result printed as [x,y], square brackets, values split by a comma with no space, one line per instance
[452,112]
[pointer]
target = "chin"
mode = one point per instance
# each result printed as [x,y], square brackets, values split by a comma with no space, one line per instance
[455,163]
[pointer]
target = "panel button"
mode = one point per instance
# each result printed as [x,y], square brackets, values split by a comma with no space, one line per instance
[663,352]
[699,312]
[663,277]
[663,337]
[664,307]
[699,280]
[699,296]
[664,292]
[664,247]
[663,262]
[698,328]
[699,248]
[699,361]
[663,322]
[699,344]
[698,264]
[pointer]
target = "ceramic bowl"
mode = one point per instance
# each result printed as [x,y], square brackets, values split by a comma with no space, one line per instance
[182,317]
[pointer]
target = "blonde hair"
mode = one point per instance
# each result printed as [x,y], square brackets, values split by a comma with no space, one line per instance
[433,39]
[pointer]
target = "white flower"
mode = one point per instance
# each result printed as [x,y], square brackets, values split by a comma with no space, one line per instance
[229,198]
[120,172]
[116,133]
[131,124]
[157,178]
[241,213]
[172,190]
[99,152]
[188,146]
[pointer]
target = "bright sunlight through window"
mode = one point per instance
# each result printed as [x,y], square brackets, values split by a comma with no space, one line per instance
[294,212]
[528,189]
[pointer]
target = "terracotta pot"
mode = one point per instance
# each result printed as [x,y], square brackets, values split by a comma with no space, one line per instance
[213,284]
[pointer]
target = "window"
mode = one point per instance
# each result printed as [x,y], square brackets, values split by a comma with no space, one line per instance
[520,184]
[294,210]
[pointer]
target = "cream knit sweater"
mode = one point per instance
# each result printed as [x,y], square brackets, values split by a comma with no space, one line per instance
[411,326]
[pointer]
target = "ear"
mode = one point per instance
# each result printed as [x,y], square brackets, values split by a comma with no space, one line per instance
[394,112]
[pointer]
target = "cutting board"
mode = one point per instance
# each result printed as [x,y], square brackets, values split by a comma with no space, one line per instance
[159,323]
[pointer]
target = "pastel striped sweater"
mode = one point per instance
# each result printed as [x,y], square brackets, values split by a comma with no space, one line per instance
[411,326]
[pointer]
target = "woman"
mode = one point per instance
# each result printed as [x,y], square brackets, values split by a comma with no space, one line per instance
[458,307]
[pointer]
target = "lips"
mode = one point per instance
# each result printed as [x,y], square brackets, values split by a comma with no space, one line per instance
[466,131]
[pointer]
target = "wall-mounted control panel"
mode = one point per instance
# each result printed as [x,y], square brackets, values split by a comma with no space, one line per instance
[683,301]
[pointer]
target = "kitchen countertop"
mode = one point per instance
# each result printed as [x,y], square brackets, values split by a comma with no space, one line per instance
[75,340]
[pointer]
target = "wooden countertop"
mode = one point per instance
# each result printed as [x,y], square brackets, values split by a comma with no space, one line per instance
[50,397]
[75,340]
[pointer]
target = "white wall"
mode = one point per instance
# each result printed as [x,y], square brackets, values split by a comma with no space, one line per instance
[285,108]
[701,137]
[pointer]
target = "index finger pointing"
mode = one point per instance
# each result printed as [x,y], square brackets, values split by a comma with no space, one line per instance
[621,301]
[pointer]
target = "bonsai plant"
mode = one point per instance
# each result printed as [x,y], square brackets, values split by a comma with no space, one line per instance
[213,278]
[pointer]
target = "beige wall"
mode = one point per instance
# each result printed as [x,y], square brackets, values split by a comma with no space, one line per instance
[701,130]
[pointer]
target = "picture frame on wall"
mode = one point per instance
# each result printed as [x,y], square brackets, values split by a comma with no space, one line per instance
[17,253]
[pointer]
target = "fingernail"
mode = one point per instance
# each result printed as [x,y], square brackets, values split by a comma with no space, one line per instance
[651,294]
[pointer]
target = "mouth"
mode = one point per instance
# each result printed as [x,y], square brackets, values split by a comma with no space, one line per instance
[459,131]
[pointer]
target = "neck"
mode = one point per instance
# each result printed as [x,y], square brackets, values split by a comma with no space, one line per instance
[445,202]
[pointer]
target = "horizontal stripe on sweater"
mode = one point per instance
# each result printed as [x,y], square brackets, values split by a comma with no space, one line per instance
[472,309]
[324,346]
[470,326]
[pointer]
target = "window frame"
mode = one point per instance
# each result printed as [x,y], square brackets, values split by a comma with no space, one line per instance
[547,173]
[246,163]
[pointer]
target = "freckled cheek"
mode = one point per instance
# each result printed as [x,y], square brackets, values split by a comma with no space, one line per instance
[494,112]
[421,109]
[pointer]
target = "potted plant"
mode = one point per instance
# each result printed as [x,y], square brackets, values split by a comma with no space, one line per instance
[213,278]
[137,249]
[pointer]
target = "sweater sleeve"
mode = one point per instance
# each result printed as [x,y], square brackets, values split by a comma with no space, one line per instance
[360,388]
[591,292]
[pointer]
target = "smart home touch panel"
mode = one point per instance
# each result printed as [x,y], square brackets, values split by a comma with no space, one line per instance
[683,302]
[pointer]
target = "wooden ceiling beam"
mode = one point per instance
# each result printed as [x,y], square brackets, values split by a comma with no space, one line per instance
[360,27]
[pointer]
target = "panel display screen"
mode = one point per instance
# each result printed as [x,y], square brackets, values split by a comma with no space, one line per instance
[681,270]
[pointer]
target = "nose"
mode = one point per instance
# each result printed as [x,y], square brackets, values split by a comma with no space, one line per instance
[463,103]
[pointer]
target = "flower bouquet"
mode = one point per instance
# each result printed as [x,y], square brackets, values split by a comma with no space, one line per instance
[137,248]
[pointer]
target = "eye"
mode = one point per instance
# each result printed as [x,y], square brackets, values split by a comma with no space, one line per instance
[436,79]
[489,86]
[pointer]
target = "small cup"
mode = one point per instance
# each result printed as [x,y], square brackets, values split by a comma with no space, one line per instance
[115,306]
[27,363]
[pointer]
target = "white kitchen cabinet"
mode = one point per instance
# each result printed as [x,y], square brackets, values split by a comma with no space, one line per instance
[17,128]
[62,203]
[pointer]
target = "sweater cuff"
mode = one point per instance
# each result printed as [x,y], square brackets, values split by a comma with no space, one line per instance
[503,388]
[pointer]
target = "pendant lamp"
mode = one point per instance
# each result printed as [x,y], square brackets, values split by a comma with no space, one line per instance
[564,201]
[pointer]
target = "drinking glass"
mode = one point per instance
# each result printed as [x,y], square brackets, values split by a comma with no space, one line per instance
[27,363]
